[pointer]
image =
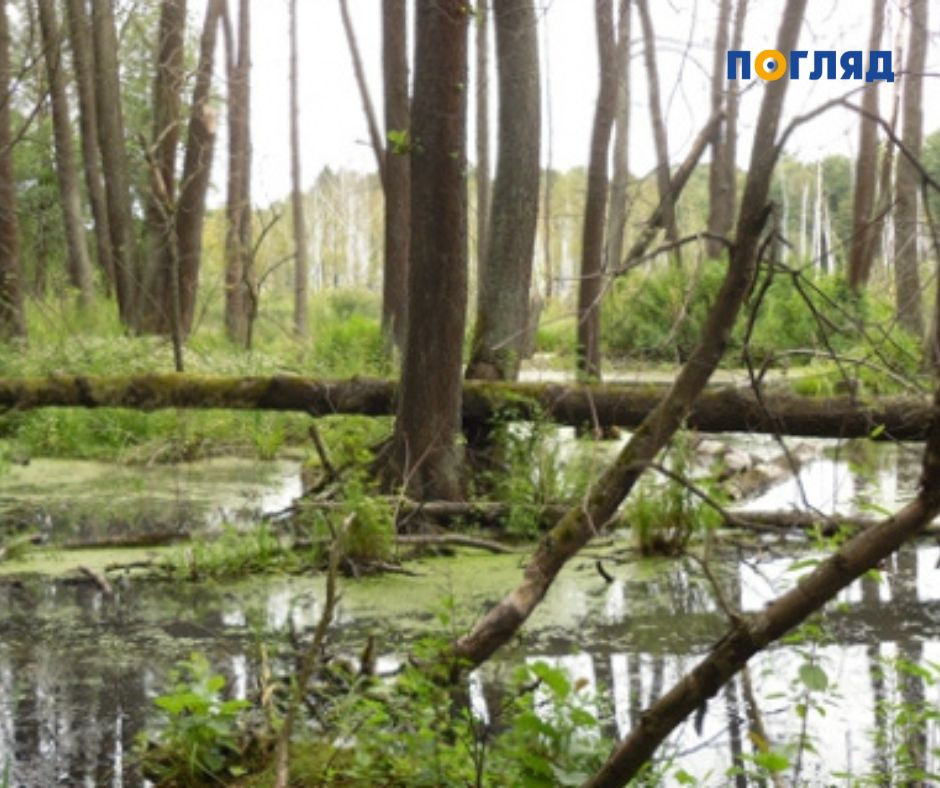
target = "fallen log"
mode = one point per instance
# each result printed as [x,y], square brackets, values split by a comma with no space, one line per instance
[625,405]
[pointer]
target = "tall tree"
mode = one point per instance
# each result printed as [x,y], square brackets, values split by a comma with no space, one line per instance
[83,65]
[12,318]
[397,175]
[506,275]
[301,265]
[590,286]
[425,457]
[197,166]
[660,136]
[239,274]
[617,214]
[721,171]
[78,261]
[110,121]
[482,51]
[906,258]
[601,502]
[158,281]
[864,238]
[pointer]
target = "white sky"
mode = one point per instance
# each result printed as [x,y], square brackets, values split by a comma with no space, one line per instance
[333,129]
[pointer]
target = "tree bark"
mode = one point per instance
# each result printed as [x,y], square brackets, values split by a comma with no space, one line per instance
[617,215]
[482,51]
[660,136]
[864,238]
[239,274]
[506,275]
[601,502]
[750,634]
[83,66]
[154,308]
[397,166]
[906,259]
[590,285]
[78,262]
[614,405]
[720,209]
[301,264]
[425,457]
[110,122]
[197,167]
[375,139]
[12,317]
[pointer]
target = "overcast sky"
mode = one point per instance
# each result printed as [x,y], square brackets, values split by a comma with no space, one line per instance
[333,130]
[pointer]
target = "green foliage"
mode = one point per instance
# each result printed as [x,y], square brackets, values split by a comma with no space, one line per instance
[666,515]
[659,317]
[233,554]
[417,731]
[196,741]
[363,522]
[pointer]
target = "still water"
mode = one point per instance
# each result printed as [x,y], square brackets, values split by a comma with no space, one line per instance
[79,670]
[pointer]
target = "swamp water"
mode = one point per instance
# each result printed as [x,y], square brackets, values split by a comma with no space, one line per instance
[79,670]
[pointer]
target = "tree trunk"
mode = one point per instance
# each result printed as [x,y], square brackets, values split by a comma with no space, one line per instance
[731,123]
[301,265]
[590,286]
[506,276]
[154,307]
[83,65]
[549,178]
[906,259]
[110,121]
[617,215]
[864,238]
[197,166]
[425,456]
[750,634]
[580,524]
[375,139]
[12,317]
[720,210]
[239,276]
[619,405]
[660,137]
[397,165]
[482,50]
[79,265]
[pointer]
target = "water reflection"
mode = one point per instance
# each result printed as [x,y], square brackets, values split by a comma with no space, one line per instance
[79,671]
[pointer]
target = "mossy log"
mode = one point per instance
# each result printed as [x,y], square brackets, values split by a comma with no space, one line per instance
[624,405]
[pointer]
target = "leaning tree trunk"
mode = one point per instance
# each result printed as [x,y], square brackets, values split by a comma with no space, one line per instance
[660,136]
[301,264]
[752,633]
[397,176]
[79,264]
[600,504]
[375,139]
[720,210]
[506,276]
[83,66]
[197,166]
[590,286]
[617,215]
[239,276]
[110,121]
[155,305]
[12,318]
[906,258]
[864,237]
[425,458]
